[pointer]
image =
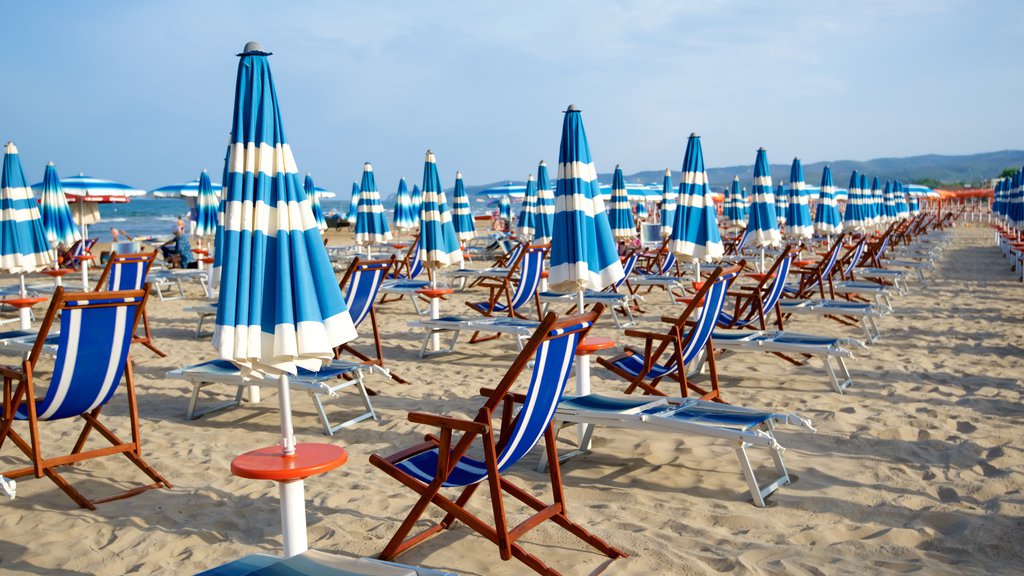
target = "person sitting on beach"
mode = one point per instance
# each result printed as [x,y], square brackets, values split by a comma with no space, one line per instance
[116,234]
[178,251]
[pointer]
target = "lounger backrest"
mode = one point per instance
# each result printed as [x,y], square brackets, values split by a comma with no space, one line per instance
[92,350]
[668,263]
[363,282]
[776,289]
[531,265]
[714,299]
[415,265]
[858,253]
[513,254]
[627,268]
[743,241]
[127,271]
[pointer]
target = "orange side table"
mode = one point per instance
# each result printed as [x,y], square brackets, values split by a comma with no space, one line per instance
[57,274]
[435,295]
[584,349]
[24,306]
[270,463]
[85,259]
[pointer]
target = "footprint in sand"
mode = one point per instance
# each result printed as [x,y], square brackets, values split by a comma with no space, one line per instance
[965,427]
[947,494]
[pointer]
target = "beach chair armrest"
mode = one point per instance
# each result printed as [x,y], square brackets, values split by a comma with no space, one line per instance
[647,335]
[514,396]
[447,422]
[11,372]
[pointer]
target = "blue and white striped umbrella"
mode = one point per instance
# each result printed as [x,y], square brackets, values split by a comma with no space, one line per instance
[668,204]
[58,223]
[798,213]
[854,216]
[417,203]
[527,223]
[877,203]
[439,245]
[781,203]
[620,215]
[744,205]
[371,224]
[462,212]
[404,219]
[508,189]
[183,190]
[997,198]
[545,206]
[218,242]
[890,206]
[505,208]
[206,208]
[1015,201]
[314,202]
[695,233]
[583,251]
[827,221]
[353,205]
[732,212]
[23,244]
[912,203]
[98,190]
[762,224]
[867,200]
[279,307]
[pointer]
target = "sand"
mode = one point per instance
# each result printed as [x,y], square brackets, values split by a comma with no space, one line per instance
[917,468]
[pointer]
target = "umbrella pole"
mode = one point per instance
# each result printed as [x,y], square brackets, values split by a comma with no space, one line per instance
[761,270]
[85,239]
[292,494]
[582,381]
[24,312]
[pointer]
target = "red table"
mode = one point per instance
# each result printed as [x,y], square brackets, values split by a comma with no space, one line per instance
[57,274]
[435,295]
[584,349]
[23,305]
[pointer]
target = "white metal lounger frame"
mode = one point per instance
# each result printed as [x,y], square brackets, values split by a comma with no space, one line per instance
[521,329]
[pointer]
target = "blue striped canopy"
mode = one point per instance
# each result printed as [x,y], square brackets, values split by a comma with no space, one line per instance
[279,308]
[620,215]
[462,212]
[695,231]
[998,198]
[1015,201]
[798,213]
[206,208]
[371,224]
[855,215]
[826,216]
[353,205]
[527,223]
[417,203]
[733,210]
[889,205]
[744,205]
[505,208]
[96,189]
[545,206]
[877,203]
[218,242]
[508,189]
[583,251]
[902,208]
[912,204]
[781,203]
[183,190]
[403,219]
[439,245]
[314,202]
[668,204]
[641,211]
[23,244]
[58,223]
[762,224]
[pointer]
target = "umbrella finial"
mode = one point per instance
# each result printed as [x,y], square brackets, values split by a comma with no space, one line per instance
[668,171]
[736,178]
[530,178]
[50,163]
[543,163]
[760,148]
[458,175]
[572,108]
[253,48]
[367,167]
[694,135]
[617,166]
[11,148]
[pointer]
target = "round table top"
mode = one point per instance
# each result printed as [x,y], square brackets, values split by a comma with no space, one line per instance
[55,272]
[84,257]
[203,251]
[268,463]
[803,263]
[399,246]
[434,292]
[24,302]
[207,260]
[593,344]
[759,276]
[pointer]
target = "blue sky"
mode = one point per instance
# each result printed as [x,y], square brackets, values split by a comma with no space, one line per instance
[141,92]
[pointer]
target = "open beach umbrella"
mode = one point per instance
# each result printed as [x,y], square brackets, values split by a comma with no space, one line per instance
[184,190]
[620,215]
[798,214]
[506,190]
[371,224]
[527,223]
[505,208]
[314,202]
[781,203]
[826,216]
[731,213]
[545,206]
[206,208]
[439,245]
[668,204]
[58,223]
[353,205]
[695,233]
[462,212]
[403,218]
[23,244]
[762,224]
[583,251]
[280,308]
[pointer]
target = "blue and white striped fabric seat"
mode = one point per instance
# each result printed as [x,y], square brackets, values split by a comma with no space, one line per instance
[363,286]
[531,265]
[493,271]
[769,302]
[552,364]
[795,287]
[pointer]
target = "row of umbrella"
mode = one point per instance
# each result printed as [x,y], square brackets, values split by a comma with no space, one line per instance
[1008,199]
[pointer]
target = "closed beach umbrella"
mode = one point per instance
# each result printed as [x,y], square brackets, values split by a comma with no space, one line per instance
[353,205]
[417,203]
[583,251]
[781,203]
[23,244]
[695,232]
[505,208]
[889,207]
[439,246]
[826,216]
[762,224]
[731,213]
[218,243]
[854,217]
[545,206]
[527,224]
[798,214]
[58,223]
[620,215]
[280,308]
[371,225]
[912,203]
[403,216]
[902,208]
[744,205]
[641,211]
[877,203]
[462,213]
[997,199]
[206,208]
[668,204]
[314,202]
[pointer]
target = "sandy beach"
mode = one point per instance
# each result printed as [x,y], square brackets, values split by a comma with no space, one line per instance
[916,469]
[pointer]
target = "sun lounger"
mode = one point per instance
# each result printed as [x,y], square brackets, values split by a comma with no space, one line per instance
[616,297]
[316,563]
[205,312]
[326,383]
[688,417]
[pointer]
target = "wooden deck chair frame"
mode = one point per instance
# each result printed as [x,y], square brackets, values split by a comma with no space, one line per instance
[749,300]
[146,259]
[23,395]
[502,291]
[500,401]
[403,270]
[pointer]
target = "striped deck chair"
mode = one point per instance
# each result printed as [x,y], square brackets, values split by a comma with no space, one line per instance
[850,288]
[96,331]
[128,272]
[402,282]
[443,461]
[617,296]
[80,249]
[360,285]
[498,270]
[529,266]
[670,354]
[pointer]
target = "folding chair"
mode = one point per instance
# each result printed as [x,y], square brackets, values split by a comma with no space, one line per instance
[96,331]
[499,269]
[442,461]
[668,355]
[128,272]
[402,282]
[363,281]
[611,296]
